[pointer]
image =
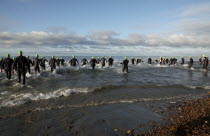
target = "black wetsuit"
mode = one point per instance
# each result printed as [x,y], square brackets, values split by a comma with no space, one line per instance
[149,61]
[138,61]
[93,63]
[84,61]
[52,63]
[182,63]
[205,63]
[98,61]
[110,61]
[20,63]
[58,62]
[8,67]
[200,61]
[62,62]
[103,62]
[42,63]
[161,61]
[125,65]
[28,66]
[190,63]
[36,64]
[1,65]
[73,62]
[167,61]
[132,61]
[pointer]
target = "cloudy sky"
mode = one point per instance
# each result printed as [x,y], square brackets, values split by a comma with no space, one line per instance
[105,27]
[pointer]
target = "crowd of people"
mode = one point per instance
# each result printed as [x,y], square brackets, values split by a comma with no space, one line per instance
[22,64]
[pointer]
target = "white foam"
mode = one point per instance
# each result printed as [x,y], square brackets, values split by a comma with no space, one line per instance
[18,99]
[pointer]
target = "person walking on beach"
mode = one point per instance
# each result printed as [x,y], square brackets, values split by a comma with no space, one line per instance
[110,61]
[125,65]
[190,62]
[28,66]
[20,63]
[8,66]
[52,63]
[93,62]
[73,62]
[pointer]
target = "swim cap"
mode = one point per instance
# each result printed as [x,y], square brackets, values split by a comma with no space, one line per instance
[52,56]
[20,52]
[125,57]
[73,56]
[37,55]
[42,57]
[13,58]
[8,55]
[27,57]
[93,57]
[132,57]
[110,56]
[0,58]
[98,57]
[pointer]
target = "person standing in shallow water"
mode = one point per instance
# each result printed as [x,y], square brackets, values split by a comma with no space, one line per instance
[133,60]
[1,64]
[36,64]
[62,61]
[84,61]
[125,65]
[73,62]
[8,66]
[42,63]
[93,62]
[20,63]
[110,61]
[149,60]
[205,63]
[28,66]
[190,62]
[103,61]
[52,63]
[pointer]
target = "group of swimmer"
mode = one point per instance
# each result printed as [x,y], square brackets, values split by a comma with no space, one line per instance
[22,64]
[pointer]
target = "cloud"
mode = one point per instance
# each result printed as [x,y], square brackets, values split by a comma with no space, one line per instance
[202,9]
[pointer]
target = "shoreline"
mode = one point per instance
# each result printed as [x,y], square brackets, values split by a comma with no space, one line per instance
[184,118]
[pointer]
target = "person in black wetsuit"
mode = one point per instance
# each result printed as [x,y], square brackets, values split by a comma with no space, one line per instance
[205,63]
[103,61]
[125,65]
[93,62]
[98,60]
[73,62]
[182,60]
[42,63]
[52,63]
[84,61]
[149,60]
[133,60]
[110,61]
[8,66]
[28,66]
[13,65]
[167,60]
[1,64]
[20,63]
[190,63]
[36,64]
[58,62]
[62,61]
[138,60]
[200,61]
